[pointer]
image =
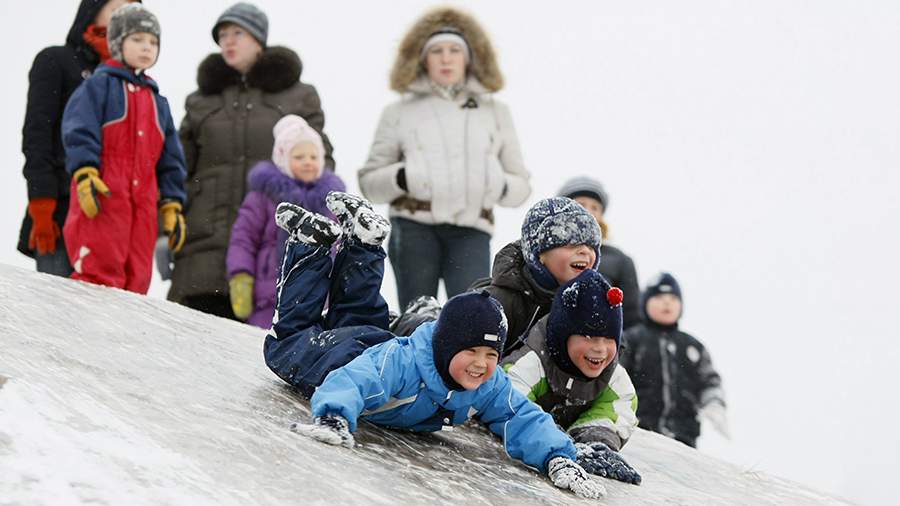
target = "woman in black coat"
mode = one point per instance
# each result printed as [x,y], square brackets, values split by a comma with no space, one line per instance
[54,75]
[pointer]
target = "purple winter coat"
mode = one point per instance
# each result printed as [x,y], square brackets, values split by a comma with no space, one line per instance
[256,245]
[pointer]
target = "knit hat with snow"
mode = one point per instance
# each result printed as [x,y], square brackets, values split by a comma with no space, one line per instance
[555,222]
[290,131]
[659,284]
[587,305]
[583,186]
[467,320]
[128,19]
[247,16]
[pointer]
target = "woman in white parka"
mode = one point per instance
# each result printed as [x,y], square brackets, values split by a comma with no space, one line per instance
[443,156]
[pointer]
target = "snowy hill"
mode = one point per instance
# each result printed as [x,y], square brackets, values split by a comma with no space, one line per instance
[108,397]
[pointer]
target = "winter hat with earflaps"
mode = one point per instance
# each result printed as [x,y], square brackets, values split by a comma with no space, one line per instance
[126,20]
[467,320]
[583,186]
[288,132]
[659,284]
[588,306]
[555,222]
[247,16]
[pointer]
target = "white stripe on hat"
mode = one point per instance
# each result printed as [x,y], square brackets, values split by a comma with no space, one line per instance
[491,337]
[446,37]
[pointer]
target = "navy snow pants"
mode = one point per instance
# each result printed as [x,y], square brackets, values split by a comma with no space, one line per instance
[303,345]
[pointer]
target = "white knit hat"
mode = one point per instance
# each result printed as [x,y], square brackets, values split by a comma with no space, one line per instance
[290,131]
[446,34]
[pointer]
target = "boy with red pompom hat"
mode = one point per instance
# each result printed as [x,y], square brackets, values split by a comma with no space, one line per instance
[569,367]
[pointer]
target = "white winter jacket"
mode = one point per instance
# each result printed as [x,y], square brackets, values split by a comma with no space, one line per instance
[462,156]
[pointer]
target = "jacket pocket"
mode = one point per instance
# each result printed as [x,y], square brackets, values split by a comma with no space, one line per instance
[417,171]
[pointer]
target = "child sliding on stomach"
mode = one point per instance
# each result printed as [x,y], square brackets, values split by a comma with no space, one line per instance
[352,368]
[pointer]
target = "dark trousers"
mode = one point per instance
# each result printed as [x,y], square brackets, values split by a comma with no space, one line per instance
[303,345]
[56,263]
[424,254]
[214,304]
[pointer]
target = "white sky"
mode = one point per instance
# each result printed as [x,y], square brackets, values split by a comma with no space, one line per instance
[750,147]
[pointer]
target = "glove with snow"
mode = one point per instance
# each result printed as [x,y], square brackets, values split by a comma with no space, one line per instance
[240,290]
[44,229]
[173,223]
[329,429]
[566,473]
[87,185]
[714,412]
[599,459]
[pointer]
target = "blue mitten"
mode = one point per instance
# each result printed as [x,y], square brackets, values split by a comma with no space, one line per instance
[597,458]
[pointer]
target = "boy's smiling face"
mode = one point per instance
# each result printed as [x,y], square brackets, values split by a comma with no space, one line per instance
[474,366]
[566,262]
[591,354]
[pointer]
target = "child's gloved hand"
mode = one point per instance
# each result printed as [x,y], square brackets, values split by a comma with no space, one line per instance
[329,429]
[87,185]
[714,412]
[163,258]
[44,229]
[566,473]
[240,290]
[173,223]
[599,459]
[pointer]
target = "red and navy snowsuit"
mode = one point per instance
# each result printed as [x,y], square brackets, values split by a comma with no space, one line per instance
[117,122]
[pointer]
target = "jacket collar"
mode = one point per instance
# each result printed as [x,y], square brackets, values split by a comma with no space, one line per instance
[471,88]
[277,69]
[118,69]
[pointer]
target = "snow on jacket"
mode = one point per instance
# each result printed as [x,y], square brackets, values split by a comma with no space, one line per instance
[618,268]
[256,244]
[673,376]
[226,130]
[55,74]
[395,384]
[601,409]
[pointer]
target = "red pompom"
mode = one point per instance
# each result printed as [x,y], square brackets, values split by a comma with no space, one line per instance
[615,296]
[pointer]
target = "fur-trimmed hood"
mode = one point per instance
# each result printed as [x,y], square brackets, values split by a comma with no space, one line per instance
[266,178]
[277,69]
[483,67]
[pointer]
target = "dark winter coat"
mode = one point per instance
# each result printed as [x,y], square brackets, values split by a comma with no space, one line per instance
[673,376]
[228,129]
[54,75]
[524,301]
[256,245]
[618,269]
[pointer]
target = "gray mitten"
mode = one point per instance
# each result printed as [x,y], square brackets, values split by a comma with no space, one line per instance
[164,258]
[329,429]
[597,458]
[566,473]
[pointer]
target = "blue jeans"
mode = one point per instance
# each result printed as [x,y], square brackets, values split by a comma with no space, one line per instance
[304,345]
[56,263]
[422,255]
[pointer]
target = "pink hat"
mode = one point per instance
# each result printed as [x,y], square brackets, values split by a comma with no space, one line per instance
[290,131]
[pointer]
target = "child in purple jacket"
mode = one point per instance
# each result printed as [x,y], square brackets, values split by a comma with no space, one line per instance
[295,174]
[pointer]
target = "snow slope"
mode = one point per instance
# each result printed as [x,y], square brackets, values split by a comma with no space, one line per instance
[108,397]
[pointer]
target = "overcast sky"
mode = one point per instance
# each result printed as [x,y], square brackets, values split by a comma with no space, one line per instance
[750,147]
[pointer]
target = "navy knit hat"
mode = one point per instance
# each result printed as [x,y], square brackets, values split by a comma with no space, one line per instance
[661,283]
[555,222]
[587,305]
[126,20]
[583,186]
[467,320]
[248,17]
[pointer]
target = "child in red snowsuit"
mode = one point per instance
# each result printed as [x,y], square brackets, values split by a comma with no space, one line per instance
[123,152]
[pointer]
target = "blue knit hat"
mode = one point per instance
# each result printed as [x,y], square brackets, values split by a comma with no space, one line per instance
[587,305]
[661,283]
[467,320]
[555,222]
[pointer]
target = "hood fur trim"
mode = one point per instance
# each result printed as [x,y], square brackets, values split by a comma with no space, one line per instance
[483,67]
[277,69]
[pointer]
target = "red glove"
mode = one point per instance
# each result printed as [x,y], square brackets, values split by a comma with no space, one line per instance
[44,230]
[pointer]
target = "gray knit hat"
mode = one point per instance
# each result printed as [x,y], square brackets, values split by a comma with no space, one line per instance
[248,17]
[584,186]
[128,19]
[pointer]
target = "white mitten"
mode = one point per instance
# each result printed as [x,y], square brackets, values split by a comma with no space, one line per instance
[329,429]
[716,414]
[566,473]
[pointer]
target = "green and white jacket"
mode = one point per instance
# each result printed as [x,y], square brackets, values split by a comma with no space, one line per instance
[602,409]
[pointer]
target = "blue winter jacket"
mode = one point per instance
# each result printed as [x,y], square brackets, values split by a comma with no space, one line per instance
[395,384]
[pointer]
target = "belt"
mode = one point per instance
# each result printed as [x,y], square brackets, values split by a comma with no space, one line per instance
[412,205]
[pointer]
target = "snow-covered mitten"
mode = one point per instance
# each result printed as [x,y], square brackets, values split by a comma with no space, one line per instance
[714,412]
[329,429]
[597,458]
[566,473]
[357,218]
[306,226]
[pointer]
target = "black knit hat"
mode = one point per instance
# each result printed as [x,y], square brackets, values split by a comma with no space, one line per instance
[247,16]
[587,305]
[583,186]
[468,320]
[126,20]
[661,283]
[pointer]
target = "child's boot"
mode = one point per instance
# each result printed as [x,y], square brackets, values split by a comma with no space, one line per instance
[305,226]
[357,218]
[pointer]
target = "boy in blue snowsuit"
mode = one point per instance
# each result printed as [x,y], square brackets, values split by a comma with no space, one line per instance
[441,375]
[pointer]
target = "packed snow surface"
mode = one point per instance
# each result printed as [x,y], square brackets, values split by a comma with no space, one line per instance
[107,397]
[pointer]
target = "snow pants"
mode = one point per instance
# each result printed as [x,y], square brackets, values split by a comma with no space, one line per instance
[304,345]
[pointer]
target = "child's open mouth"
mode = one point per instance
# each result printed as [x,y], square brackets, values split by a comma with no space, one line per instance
[595,363]
[476,375]
[578,266]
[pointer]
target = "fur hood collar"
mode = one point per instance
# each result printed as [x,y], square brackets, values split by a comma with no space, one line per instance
[277,69]
[483,67]
[265,177]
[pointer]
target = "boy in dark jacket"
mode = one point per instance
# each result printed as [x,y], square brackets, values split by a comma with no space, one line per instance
[125,158]
[671,370]
[441,375]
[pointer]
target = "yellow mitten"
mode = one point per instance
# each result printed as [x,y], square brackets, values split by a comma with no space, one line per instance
[240,289]
[173,224]
[88,185]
